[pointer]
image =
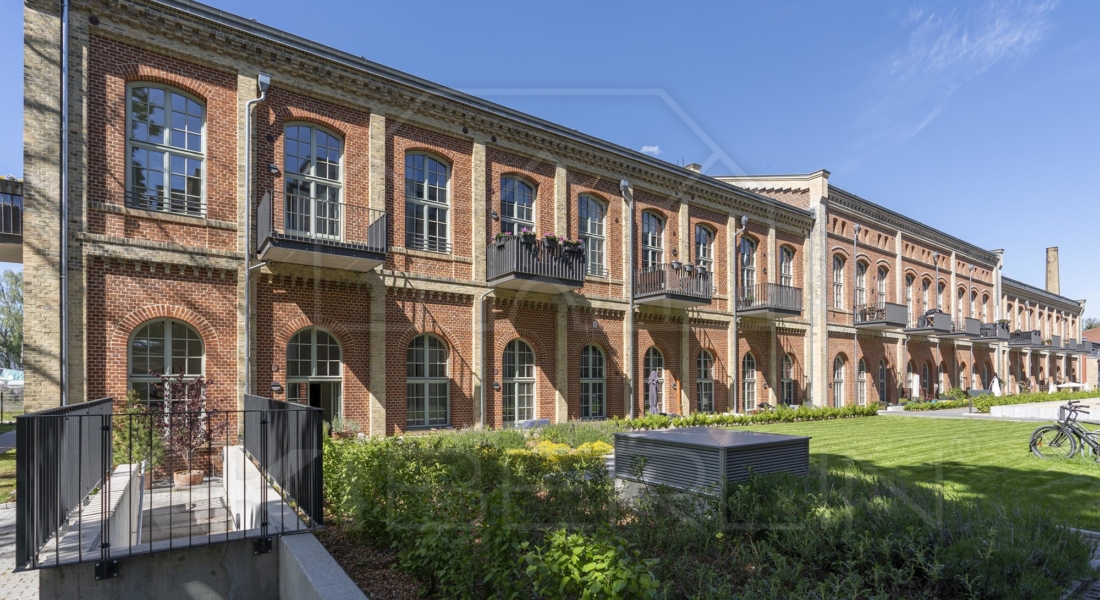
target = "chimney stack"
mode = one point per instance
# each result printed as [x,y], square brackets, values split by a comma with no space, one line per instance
[698,168]
[1053,285]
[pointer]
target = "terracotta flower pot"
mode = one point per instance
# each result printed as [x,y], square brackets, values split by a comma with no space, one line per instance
[188,478]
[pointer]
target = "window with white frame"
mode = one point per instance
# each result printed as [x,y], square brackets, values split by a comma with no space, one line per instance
[882,397]
[973,305]
[592,214]
[838,282]
[882,275]
[519,382]
[861,283]
[748,382]
[941,379]
[748,266]
[926,286]
[786,380]
[593,398]
[838,382]
[654,362]
[960,301]
[910,389]
[313,371]
[517,205]
[926,381]
[985,377]
[165,150]
[704,384]
[653,243]
[861,384]
[939,296]
[786,266]
[704,247]
[427,382]
[427,198]
[909,281]
[311,161]
[165,347]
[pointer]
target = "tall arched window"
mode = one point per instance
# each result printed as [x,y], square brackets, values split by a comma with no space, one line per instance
[313,371]
[786,379]
[593,399]
[165,150]
[973,305]
[985,377]
[427,200]
[517,205]
[882,395]
[748,265]
[925,287]
[960,301]
[909,281]
[910,388]
[519,382]
[748,381]
[861,384]
[654,363]
[704,247]
[592,214]
[311,161]
[653,241]
[882,275]
[704,385]
[941,379]
[838,281]
[786,266]
[939,296]
[838,381]
[164,346]
[926,381]
[427,382]
[861,283]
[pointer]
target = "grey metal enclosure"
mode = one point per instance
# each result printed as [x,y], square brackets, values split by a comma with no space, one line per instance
[697,458]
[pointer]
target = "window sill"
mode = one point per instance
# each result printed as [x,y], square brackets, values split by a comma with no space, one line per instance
[162,216]
[445,256]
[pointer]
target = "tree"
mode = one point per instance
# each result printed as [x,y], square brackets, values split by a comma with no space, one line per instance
[11,319]
[1092,322]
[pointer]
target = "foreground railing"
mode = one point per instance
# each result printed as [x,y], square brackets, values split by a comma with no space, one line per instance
[770,296]
[95,485]
[684,280]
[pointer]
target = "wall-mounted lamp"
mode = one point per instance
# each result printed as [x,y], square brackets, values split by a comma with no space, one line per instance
[765,385]
[276,387]
[273,169]
[496,217]
[496,385]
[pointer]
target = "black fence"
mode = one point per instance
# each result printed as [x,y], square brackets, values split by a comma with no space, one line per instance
[770,296]
[320,221]
[517,255]
[97,482]
[11,207]
[681,280]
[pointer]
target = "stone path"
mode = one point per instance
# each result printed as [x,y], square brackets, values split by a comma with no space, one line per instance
[13,586]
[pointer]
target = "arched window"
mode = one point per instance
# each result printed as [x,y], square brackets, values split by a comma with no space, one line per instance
[786,379]
[164,346]
[861,283]
[748,380]
[786,266]
[427,382]
[313,371]
[654,363]
[517,205]
[311,161]
[704,247]
[748,265]
[926,381]
[593,399]
[653,242]
[925,286]
[939,296]
[882,275]
[519,382]
[973,305]
[909,280]
[985,377]
[941,379]
[882,395]
[165,150]
[910,388]
[960,374]
[427,198]
[838,381]
[960,302]
[861,384]
[704,385]
[592,214]
[838,281]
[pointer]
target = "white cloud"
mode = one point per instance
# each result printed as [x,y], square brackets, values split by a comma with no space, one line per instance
[653,150]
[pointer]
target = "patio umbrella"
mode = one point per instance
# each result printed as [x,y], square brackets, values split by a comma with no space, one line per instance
[653,392]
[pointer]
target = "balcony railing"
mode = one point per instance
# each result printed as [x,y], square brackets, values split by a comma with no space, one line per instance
[517,263]
[966,327]
[176,203]
[770,298]
[1025,338]
[11,207]
[994,331]
[882,315]
[932,322]
[1055,342]
[318,232]
[673,285]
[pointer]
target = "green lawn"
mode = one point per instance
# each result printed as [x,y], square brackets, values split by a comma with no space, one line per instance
[970,459]
[6,427]
[7,476]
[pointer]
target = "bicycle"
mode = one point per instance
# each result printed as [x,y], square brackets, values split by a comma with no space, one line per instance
[1066,438]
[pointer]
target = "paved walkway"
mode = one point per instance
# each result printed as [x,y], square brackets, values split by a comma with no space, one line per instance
[957,413]
[13,586]
[7,441]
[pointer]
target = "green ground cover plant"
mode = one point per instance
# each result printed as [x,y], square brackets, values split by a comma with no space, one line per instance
[984,403]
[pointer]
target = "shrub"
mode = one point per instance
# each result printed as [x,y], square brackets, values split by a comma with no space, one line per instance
[937,405]
[602,565]
[134,435]
[983,403]
[957,393]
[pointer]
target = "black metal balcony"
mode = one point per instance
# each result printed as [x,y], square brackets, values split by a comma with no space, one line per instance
[1070,345]
[770,301]
[1055,342]
[881,315]
[517,263]
[11,221]
[1025,338]
[675,287]
[320,233]
[933,322]
[994,332]
[965,327]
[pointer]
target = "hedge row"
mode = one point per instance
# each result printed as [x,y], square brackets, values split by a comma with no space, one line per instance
[983,403]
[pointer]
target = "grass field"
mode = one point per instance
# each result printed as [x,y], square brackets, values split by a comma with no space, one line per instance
[968,458]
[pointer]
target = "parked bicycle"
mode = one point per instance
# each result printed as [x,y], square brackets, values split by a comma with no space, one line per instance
[1068,437]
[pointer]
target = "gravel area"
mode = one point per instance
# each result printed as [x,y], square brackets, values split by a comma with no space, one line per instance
[372,569]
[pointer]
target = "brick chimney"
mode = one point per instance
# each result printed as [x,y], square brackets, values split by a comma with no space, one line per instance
[1053,285]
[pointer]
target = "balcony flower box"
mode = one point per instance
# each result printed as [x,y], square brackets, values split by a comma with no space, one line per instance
[550,242]
[573,245]
[677,264]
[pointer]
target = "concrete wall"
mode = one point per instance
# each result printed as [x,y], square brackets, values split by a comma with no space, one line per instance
[308,572]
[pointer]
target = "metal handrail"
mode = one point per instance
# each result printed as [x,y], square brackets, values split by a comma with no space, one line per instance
[770,295]
[319,221]
[667,278]
[166,202]
[11,209]
[513,255]
[881,311]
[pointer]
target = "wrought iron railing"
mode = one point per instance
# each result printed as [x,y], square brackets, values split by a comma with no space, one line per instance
[512,255]
[669,279]
[94,485]
[882,312]
[428,243]
[997,331]
[1025,338]
[176,203]
[11,207]
[968,326]
[770,296]
[319,221]
[936,321]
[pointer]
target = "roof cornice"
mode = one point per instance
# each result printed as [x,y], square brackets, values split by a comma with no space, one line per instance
[1027,291]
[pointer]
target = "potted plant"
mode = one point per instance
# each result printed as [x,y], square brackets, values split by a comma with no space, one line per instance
[187,423]
[700,268]
[677,265]
[527,236]
[573,245]
[550,241]
[501,237]
[135,437]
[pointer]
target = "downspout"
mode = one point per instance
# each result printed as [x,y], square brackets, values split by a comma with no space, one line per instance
[624,189]
[481,421]
[64,204]
[263,81]
[733,302]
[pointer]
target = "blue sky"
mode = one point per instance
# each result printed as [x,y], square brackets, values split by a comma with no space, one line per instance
[981,119]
